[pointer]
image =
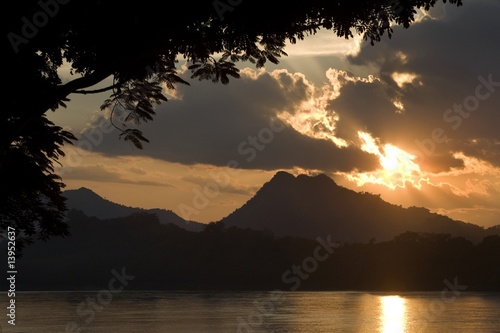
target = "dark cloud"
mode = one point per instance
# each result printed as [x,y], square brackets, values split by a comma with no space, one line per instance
[216,124]
[451,58]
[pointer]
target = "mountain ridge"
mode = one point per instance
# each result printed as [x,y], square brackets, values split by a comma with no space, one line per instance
[93,205]
[312,206]
[304,206]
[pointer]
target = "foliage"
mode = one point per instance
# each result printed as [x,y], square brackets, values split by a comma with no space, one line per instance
[31,193]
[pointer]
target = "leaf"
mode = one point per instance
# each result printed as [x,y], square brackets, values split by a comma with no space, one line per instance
[135,136]
[106,104]
[194,66]
[224,79]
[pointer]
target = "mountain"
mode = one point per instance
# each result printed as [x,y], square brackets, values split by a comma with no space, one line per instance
[165,256]
[92,204]
[304,206]
[495,230]
[156,256]
[316,206]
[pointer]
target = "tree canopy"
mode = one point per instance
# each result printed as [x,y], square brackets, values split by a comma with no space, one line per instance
[138,45]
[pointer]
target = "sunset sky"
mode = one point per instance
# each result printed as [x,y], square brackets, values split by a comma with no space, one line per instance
[414,118]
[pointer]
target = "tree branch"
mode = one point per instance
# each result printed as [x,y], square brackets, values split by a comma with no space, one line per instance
[96,91]
[83,82]
[57,95]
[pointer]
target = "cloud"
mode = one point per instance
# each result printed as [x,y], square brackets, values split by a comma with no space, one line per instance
[80,165]
[429,99]
[232,188]
[216,124]
[325,42]
[432,91]
[103,173]
[432,70]
[469,191]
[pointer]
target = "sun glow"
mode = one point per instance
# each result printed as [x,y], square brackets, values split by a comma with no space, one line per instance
[392,159]
[393,315]
[397,166]
[404,78]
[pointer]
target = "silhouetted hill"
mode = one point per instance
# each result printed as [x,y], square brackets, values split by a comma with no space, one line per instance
[316,206]
[157,256]
[165,256]
[92,204]
[494,229]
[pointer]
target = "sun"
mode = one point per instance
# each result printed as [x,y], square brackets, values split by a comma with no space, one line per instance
[397,167]
[395,160]
[392,158]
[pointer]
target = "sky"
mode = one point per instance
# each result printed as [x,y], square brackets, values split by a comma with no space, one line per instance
[414,118]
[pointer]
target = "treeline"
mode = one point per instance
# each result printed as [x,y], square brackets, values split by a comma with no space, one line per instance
[166,257]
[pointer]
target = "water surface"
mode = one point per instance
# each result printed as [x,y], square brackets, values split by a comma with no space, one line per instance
[176,312]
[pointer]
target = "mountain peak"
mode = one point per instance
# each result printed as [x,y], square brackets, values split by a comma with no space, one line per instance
[85,189]
[319,178]
[81,190]
[283,176]
[92,204]
[308,206]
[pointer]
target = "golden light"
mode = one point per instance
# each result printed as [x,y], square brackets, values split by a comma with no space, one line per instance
[397,166]
[395,160]
[311,117]
[403,78]
[392,158]
[393,316]
[400,108]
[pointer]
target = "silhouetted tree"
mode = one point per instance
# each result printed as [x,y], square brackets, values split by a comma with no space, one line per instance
[138,44]
[31,199]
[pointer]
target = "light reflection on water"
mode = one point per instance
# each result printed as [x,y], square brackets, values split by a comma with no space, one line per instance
[252,312]
[393,314]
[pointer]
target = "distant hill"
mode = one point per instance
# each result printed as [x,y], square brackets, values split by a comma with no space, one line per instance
[316,206]
[414,249]
[92,204]
[304,206]
[166,257]
[494,229]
